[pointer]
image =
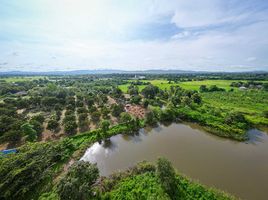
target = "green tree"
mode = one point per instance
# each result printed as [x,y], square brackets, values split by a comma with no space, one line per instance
[167,177]
[28,130]
[125,117]
[70,127]
[196,98]
[95,116]
[150,118]
[117,109]
[136,99]
[105,124]
[150,91]
[203,88]
[77,183]
[52,125]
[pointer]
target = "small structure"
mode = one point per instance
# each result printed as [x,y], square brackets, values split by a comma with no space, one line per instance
[8,151]
[21,93]
[242,88]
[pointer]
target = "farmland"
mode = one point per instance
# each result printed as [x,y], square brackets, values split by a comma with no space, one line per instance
[189,85]
[51,121]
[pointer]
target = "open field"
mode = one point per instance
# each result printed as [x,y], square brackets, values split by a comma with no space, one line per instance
[189,85]
[251,103]
[20,78]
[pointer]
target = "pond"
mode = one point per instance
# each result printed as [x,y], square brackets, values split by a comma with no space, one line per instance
[240,168]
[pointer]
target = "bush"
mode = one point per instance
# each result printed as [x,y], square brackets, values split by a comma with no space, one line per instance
[167,177]
[77,183]
[52,125]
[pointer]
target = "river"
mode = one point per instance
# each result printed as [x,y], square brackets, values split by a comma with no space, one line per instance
[240,168]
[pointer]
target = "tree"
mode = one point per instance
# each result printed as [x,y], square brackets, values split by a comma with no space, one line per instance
[70,127]
[52,125]
[117,109]
[167,177]
[186,100]
[40,118]
[150,118]
[135,99]
[49,101]
[265,86]
[95,116]
[105,124]
[133,90]
[37,126]
[203,88]
[145,103]
[77,183]
[150,91]
[196,98]
[28,130]
[125,117]
[82,116]
[235,117]
[167,115]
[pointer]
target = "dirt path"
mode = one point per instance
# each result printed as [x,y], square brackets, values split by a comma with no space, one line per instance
[46,134]
[75,114]
[111,100]
[3,146]
[61,132]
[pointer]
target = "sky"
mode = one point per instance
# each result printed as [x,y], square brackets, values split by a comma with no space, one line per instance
[207,35]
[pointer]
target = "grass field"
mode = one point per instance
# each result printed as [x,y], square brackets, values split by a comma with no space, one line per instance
[251,103]
[190,85]
[21,78]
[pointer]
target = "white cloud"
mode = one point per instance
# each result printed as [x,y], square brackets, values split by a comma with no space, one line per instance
[82,34]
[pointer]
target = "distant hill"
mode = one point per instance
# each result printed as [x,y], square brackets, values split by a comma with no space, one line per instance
[110,71]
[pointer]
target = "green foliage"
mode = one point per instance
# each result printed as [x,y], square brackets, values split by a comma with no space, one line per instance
[125,117]
[145,181]
[150,91]
[136,99]
[105,124]
[52,125]
[76,184]
[28,130]
[117,109]
[143,187]
[150,118]
[70,127]
[40,118]
[95,116]
[167,178]
[23,174]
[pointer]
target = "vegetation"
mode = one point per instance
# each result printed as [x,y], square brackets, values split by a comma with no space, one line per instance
[71,106]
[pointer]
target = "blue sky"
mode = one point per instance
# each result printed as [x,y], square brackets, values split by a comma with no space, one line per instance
[210,35]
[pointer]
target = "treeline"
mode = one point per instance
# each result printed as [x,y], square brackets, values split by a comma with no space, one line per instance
[251,85]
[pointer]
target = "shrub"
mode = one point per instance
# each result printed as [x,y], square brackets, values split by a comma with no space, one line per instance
[77,183]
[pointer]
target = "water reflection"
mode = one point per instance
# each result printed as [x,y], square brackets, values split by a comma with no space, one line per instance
[237,167]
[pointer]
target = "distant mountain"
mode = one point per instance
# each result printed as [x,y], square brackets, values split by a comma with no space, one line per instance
[111,71]
[101,71]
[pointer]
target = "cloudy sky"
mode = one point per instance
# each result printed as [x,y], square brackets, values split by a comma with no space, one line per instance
[211,35]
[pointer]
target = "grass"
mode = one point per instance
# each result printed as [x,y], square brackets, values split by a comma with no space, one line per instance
[189,85]
[251,103]
[21,78]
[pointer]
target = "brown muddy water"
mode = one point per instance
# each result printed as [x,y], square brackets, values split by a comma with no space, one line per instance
[240,168]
